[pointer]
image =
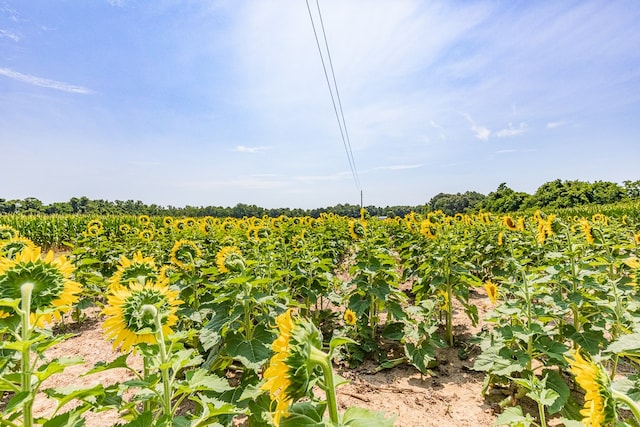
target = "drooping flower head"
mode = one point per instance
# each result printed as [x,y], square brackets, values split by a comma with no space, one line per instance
[357,230]
[599,406]
[586,229]
[135,269]
[508,222]
[291,372]
[184,253]
[492,290]
[128,324]
[228,259]
[54,292]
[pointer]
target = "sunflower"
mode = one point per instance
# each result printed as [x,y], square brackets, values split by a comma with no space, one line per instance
[636,238]
[144,220]
[131,270]
[542,231]
[428,229]
[508,222]
[53,290]
[492,291]
[124,228]
[229,258]
[500,238]
[184,253]
[94,228]
[167,271]
[127,324]
[357,229]
[11,247]
[599,406]
[167,221]
[7,232]
[291,372]
[586,228]
[298,242]
[146,235]
[350,317]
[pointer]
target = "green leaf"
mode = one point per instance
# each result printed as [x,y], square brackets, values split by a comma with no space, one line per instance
[393,331]
[421,356]
[338,341]
[361,417]
[557,384]
[68,419]
[626,345]
[305,414]
[56,366]
[119,362]
[17,400]
[252,354]
[514,417]
[199,379]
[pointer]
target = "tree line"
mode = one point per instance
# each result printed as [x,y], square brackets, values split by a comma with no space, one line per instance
[553,194]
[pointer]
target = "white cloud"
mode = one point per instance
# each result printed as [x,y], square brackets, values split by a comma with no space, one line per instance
[10,35]
[553,125]
[480,132]
[245,149]
[39,81]
[399,167]
[116,3]
[512,131]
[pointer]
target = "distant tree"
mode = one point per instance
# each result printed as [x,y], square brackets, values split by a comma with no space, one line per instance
[452,204]
[504,200]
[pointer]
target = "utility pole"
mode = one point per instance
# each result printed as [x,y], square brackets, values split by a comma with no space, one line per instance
[361,204]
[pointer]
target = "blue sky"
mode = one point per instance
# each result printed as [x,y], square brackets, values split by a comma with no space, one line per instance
[224,102]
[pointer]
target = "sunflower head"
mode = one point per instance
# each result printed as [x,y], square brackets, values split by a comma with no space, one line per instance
[124,228]
[184,253]
[137,268]
[636,238]
[53,290]
[492,290]
[292,371]
[7,232]
[298,242]
[350,317]
[500,238]
[229,259]
[146,235]
[128,322]
[357,229]
[10,248]
[599,406]
[508,222]
[144,220]
[586,229]
[167,221]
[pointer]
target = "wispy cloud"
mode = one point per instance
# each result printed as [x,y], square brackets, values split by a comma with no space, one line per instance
[479,132]
[10,35]
[399,167]
[245,149]
[39,81]
[116,3]
[513,150]
[553,125]
[512,131]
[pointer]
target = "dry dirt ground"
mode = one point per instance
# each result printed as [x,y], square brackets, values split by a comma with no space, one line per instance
[449,397]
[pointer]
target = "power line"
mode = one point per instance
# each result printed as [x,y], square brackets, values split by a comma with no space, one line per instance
[341,123]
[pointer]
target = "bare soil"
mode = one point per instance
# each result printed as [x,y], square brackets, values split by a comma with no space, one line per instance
[449,397]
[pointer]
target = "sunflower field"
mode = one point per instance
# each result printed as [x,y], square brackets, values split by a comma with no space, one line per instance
[245,320]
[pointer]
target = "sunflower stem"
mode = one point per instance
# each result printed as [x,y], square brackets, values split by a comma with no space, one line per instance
[25,314]
[633,406]
[164,360]
[324,360]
